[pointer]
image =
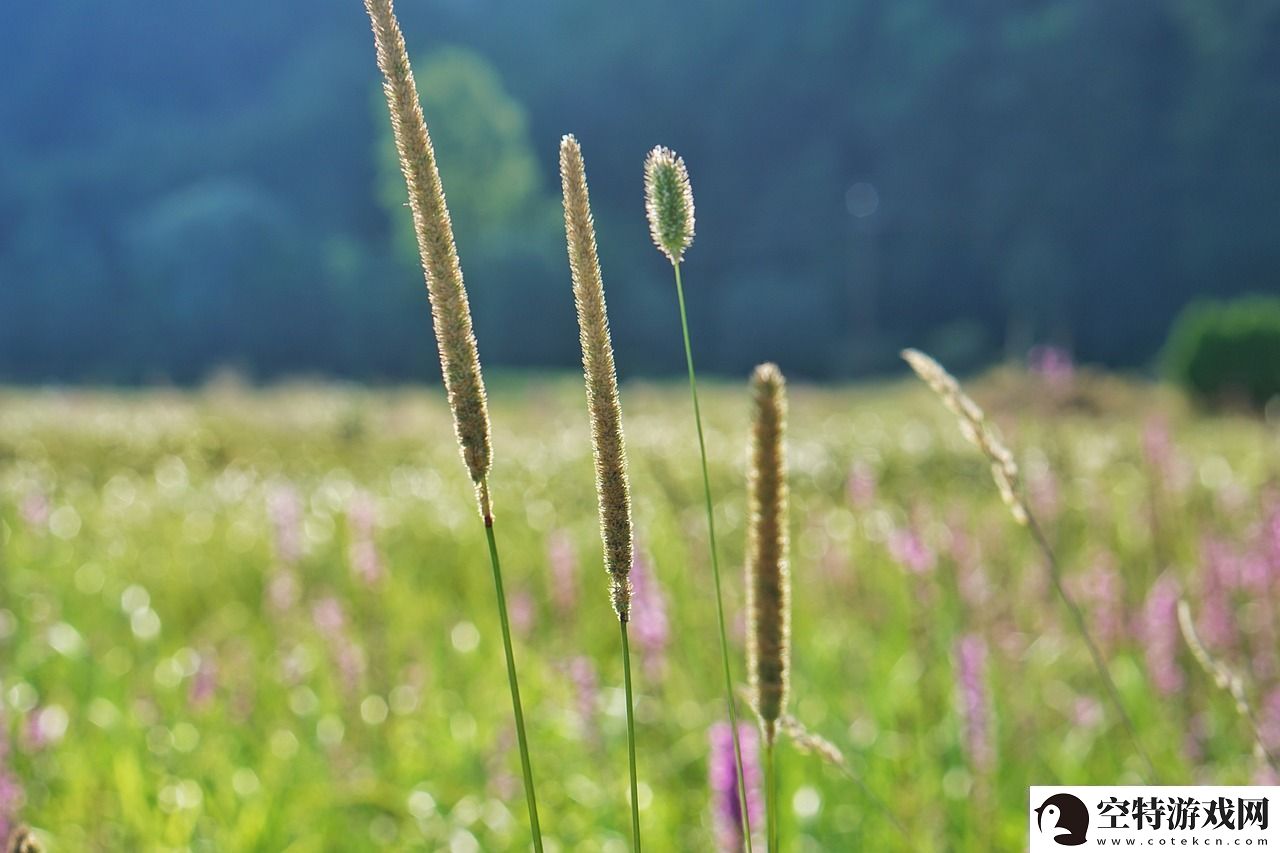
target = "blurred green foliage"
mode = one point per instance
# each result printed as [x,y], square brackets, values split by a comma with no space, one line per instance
[199,685]
[1228,352]
[868,174]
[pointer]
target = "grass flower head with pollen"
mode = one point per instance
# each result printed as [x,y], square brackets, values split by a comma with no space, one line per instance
[768,580]
[607,443]
[668,202]
[768,575]
[450,316]
[450,309]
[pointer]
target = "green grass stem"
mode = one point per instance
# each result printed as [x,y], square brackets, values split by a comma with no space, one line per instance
[715,565]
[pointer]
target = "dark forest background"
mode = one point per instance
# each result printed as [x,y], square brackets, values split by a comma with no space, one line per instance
[187,186]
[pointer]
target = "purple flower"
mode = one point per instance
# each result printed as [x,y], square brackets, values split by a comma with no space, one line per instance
[586,687]
[328,616]
[203,683]
[648,625]
[1045,494]
[362,553]
[1267,549]
[347,654]
[971,577]
[971,678]
[35,510]
[861,485]
[1102,591]
[1161,635]
[1269,725]
[12,796]
[726,811]
[1162,455]
[1258,616]
[564,573]
[1053,364]
[284,508]
[45,727]
[1086,713]
[11,799]
[524,612]
[1219,577]
[909,550]
[283,590]
[503,784]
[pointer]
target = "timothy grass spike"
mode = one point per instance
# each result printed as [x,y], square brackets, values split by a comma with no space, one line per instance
[450,310]
[608,444]
[668,202]
[768,574]
[23,840]
[451,318]
[768,581]
[669,205]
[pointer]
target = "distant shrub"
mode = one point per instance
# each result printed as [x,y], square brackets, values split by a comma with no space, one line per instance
[1227,352]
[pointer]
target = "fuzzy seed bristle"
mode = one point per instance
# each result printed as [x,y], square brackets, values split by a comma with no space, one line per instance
[450,311]
[23,841]
[608,444]
[668,201]
[975,427]
[768,574]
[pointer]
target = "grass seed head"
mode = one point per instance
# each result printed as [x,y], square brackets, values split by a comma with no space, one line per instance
[768,573]
[607,442]
[668,201]
[23,840]
[450,311]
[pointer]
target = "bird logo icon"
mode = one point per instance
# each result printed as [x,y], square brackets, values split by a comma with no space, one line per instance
[1064,818]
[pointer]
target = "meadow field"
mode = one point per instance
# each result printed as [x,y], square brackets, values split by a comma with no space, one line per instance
[262,620]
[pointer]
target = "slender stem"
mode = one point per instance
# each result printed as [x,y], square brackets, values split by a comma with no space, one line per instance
[1099,663]
[715,568]
[875,801]
[1246,711]
[515,687]
[631,741]
[771,798]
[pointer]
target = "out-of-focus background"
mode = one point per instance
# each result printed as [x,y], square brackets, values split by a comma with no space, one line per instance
[244,606]
[189,187]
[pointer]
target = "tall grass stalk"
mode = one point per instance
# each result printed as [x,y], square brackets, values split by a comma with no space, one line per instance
[768,573]
[631,738]
[450,317]
[526,768]
[975,427]
[771,797]
[669,207]
[608,444]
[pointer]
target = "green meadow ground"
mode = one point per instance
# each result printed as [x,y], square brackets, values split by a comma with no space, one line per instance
[173,681]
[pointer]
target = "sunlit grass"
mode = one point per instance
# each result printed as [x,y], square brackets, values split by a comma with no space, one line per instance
[138,561]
